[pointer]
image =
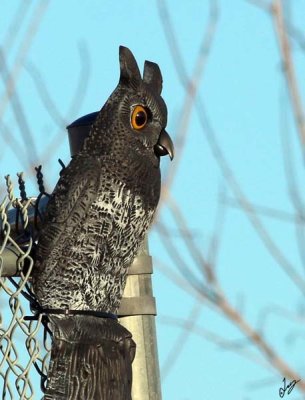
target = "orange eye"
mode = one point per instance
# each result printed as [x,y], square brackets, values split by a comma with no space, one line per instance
[138,117]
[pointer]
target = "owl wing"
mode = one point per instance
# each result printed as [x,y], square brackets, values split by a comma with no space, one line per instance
[69,203]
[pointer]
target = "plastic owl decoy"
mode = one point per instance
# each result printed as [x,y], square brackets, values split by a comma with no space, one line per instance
[105,200]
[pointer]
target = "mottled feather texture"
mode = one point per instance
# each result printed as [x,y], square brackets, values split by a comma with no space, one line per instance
[104,201]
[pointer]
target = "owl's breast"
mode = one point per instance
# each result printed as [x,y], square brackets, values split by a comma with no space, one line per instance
[134,174]
[118,220]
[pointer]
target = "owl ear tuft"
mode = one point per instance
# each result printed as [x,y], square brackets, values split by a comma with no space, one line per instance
[152,76]
[130,72]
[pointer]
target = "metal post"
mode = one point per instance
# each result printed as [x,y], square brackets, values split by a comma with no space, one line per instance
[9,265]
[138,306]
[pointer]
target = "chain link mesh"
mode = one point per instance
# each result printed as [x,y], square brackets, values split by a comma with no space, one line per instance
[24,345]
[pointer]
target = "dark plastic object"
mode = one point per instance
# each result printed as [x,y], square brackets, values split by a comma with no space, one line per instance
[79,130]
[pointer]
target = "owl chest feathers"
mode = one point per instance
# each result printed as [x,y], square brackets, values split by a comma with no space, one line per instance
[126,196]
[126,200]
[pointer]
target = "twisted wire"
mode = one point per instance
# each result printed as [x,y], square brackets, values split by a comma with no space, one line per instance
[17,366]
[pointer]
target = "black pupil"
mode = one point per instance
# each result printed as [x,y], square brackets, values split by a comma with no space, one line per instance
[140,118]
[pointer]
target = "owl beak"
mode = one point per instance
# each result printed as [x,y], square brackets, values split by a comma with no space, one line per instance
[164,145]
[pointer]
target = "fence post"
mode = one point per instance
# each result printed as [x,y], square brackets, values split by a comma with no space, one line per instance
[139,310]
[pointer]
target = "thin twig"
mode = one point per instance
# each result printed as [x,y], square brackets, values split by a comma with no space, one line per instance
[15,25]
[297,35]
[256,222]
[288,68]
[295,335]
[273,358]
[264,5]
[76,100]
[291,179]
[44,95]
[20,117]
[214,245]
[175,254]
[269,212]
[181,340]
[178,280]
[214,338]
[13,143]
[191,85]
[274,309]
[229,176]
[22,53]
[262,383]
[194,251]
[181,233]
[275,361]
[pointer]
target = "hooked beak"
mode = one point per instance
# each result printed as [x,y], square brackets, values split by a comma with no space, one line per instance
[164,145]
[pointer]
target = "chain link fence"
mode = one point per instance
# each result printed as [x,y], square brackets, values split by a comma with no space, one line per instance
[24,341]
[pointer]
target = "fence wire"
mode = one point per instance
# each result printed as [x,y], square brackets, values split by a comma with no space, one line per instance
[24,344]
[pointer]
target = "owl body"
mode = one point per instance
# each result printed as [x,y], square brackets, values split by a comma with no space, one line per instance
[105,199]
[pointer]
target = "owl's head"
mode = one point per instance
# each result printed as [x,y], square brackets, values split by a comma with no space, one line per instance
[133,119]
[137,107]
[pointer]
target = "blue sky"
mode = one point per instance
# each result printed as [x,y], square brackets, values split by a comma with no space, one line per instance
[246,100]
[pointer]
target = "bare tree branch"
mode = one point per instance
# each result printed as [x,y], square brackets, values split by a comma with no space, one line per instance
[256,222]
[20,118]
[15,25]
[264,5]
[219,300]
[181,340]
[22,53]
[279,215]
[217,234]
[261,383]
[288,67]
[194,251]
[180,263]
[297,35]
[191,85]
[272,357]
[229,176]
[44,95]
[13,143]
[178,280]
[291,179]
[295,335]
[274,309]
[214,338]
[76,100]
